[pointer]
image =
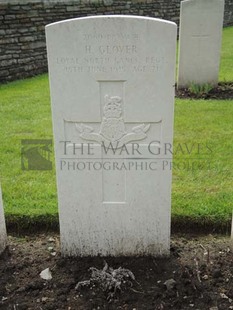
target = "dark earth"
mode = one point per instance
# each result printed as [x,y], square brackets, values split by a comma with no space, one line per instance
[199,275]
[222,91]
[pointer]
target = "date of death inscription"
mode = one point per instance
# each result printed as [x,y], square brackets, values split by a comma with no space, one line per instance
[107,59]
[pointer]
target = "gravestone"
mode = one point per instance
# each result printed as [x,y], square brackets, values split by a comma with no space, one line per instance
[112,93]
[3,235]
[200,36]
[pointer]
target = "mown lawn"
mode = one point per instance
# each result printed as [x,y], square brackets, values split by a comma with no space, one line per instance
[202,181]
[25,114]
[226,64]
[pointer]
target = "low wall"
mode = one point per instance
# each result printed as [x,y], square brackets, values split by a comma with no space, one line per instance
[22,22]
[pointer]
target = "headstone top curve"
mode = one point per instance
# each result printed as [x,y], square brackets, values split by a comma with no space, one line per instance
[129,17]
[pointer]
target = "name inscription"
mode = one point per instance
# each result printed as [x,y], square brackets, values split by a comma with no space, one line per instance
[112,50]
[111,57]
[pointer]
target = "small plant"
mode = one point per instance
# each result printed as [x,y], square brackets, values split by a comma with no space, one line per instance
[109,280]
[200,89]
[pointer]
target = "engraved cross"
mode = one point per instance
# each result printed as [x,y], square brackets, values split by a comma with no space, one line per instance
[113,133]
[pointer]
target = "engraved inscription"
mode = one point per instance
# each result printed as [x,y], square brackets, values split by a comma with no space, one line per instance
[110,36]
[111,64]
[105,53]
[112,50]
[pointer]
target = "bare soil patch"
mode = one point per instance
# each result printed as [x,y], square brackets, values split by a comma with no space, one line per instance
[221,92]
[198,275]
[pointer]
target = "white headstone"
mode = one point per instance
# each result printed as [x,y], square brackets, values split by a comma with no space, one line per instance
[3,235]
[200,36]
[112,92]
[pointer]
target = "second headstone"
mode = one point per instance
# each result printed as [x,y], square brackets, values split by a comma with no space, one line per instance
[201,23]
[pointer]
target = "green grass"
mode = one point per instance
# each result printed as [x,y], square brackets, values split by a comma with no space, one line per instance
[203,192]
[226,64]
[202,195]
[25,114]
